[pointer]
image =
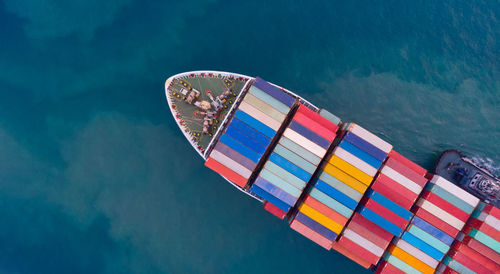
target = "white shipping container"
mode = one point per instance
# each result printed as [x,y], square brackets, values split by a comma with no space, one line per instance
[304,142]
[455,190]
[417,253]
[402,180]
[355,161]
[363,242]
[440,213]
[231,164]
[259,115]
[370,137]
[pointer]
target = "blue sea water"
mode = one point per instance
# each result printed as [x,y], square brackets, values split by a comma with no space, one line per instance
[95,176]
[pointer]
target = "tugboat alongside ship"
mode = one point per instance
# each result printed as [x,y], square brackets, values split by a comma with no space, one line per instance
[338,184]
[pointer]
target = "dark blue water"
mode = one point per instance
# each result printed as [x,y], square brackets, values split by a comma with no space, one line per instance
[95,177]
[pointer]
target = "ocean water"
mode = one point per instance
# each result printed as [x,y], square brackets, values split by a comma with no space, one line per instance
[95,176]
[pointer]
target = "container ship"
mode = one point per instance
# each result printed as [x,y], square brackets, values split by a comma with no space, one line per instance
[336,183]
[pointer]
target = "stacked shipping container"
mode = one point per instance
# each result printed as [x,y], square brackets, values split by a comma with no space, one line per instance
[249,133]
[440,213]
[295,158]
[350,171]
[477,248]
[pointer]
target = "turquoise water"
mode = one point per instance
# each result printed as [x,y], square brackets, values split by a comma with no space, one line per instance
[95,177]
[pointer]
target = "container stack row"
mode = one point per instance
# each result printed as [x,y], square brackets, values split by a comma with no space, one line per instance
[335,194]
[390,199]
[477,248]
[440,213]
[250,131]
[347,175]
[295,158]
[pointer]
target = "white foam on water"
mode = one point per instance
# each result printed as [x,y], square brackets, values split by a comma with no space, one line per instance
[487,163]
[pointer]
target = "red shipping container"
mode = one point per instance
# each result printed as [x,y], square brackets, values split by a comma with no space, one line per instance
[394,191]
[276,211]
[470,263]
[405,161]
[318,118]
[314,126]
[485,228]
[368,234]
[446,206]
[325,210]
[476,256]
[226,172]
[492,210]
[311,234]
[346,252]
[386,214]
[405,171]
[377,230]
[481,248]
[359,250]
[435,221]
[388,268]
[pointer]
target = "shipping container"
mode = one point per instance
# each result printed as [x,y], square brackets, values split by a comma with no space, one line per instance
[265,107]
[365,146]
[275,191]
[340,186]
[436,221]
[456,190]
[407,172]
[325,210]
[351,170]
[250,131]
[410,260]
[311,234]
[405,161]
[362,155]
[359,250]
[314,126]
[440,213]
[368,136]
[446,206]
[331,203]
[236,156]
[330,117]
[280,183]
[422,245]
[270,198]
[316,226]
[335,194]
[355,161]
[318,118]
[394,191]
[274,91]
[269,99]
[309,134]
[397,177]
[304,142]
[345,178]
[276,211]
[254,123]
[346,251]
[417,253]
[452,199]
[226,172]
[432,230]
[381,221]
[299,150]
[260,116]
[231,164]
[295,158]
